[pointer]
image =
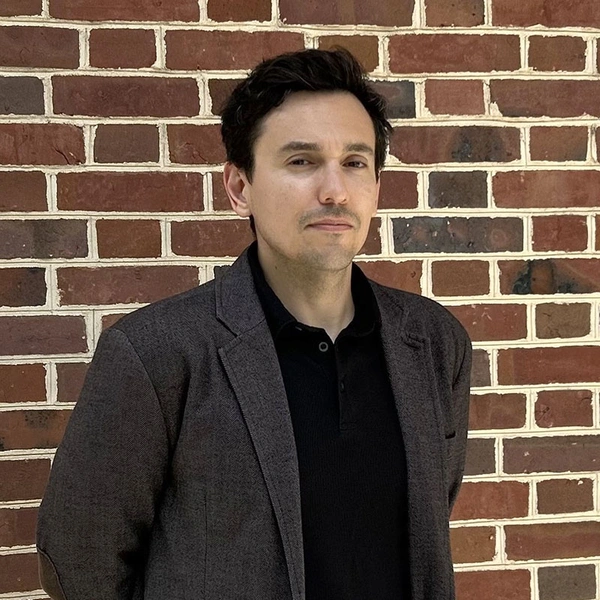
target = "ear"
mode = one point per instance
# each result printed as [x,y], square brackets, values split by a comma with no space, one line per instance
[237,188]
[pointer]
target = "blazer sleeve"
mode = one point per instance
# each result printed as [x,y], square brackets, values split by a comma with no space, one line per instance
[105,481]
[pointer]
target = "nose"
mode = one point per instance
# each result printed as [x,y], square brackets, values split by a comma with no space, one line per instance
[332,188]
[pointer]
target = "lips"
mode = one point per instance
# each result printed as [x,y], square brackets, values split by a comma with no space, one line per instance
[332,225]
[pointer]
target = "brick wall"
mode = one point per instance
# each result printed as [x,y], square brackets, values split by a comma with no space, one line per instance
[110,197]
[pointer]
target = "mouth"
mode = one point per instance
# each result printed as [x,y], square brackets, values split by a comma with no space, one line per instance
[331,225]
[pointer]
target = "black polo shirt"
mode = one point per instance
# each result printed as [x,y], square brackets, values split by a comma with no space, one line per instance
[350,451]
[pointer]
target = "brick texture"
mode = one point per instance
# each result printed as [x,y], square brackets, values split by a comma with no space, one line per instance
[514,584]
[120,238]
[22,287]
[126,143]
[493,322]
[21,96]
[459,13]
[13,8]
[473,544]
[576,581]
[23,383]
[124,10]
[559,233]
[454,97]
[497,411]
[403,275]
[492,500]
[256,10]
[558,144]
[22,191]
[122,48]
[557,53]
[460,278]
[39,47]
[365,48]
[556,496]
[550,13]
[564,408]
[562,320]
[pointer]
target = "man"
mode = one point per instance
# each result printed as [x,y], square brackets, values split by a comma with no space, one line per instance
[291,430]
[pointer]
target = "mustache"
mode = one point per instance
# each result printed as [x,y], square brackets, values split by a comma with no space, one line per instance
[334,212]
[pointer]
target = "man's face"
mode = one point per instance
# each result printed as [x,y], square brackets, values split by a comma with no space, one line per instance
[314,189]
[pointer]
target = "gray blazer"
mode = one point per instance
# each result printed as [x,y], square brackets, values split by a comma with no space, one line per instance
[177,478]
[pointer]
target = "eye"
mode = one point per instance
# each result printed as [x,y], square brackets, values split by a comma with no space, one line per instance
[300,162]
[356,164]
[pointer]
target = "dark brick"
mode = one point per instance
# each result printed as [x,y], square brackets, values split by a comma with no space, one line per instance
[364,47]
[480,372]
[400,97]
[549,13]
[460,277]
[456,13]
[23,383]
[21,96]
[120,238]
[454,97]
[126,143]
[398,189]
[46,47]
[457,234]
[493,322]
[22,191]
[472,544]
[51,238]
[17,526]
[22,287]
[18,573]
[231,10]
[562,320]
[557,496]
[220,90]
[481,456]
[492,500]
[576,582]
[70,378]
[559,232]
[557,53]
[13,8]
[558,143]
[195,144]
[404,275]
[511,584]
[497,411]
[28,429]
[564,408]
[23,479]
[210,238]
[122,48]
[125,10]
[432,144]
[458,189]
[125,96]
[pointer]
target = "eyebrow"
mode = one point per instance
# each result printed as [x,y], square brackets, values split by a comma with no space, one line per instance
[297,146]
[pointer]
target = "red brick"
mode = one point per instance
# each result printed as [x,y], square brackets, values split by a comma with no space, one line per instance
[22,287]
[558,582]
[458,13]
[560,232]
[491,500]
[46,47]
[564,408]
[126,143]
[22,191]
[556,496]
[398,189]
[562,320]
[372,244]
[119,238]
[472,143]
[546,189]
[493,322]
[597,232]
[480,372]
[458,189]
[21,96]
[451,52]
[559,454]
[460,277]
[454,97]
[481,457]
[41,144]
[195,144]
[122,48]
[546,541]
[17,526]
[220,197]
[399,97]
[546,98]
[123,285]
[558,143]
[569,364]
[220,90]
[23,383]
[125,96]
[404,275]
[505,585]
[23,479]
[210,238]
[497,411]
[364,47]
[550,13]
[557,53]
[70,378]
[32,429]
[368,12]
[473,544]
[18,573]
[230,10]
[200,50]
[145,192]
[125,10]
[42,335]
[13,8]
[110,319]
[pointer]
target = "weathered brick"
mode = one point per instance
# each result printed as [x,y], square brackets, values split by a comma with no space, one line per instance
[560,454]
[122,48]
[21,96]
[368,12]
[457,234]
[546,98]
[480,371]
[403,275]
[123,285]
[110,319]
[481,456]
[126,143]
[22,286]
[550,13]
[195,144]
[17,526]
[23,479]
[70,378]
[50,238]
[210,238]
[49,334]
[23,383]
[564,408]
[497,411]
[493,322]
[491,500]
[458,13]
[230,10]
[471,143]
[125,10]
[125,96]
[145,192]
[22,191]
[400,98]
[558,143]
[372,244]
[550,276]
[200,50]
[13,8]
[398,189]
[364,47]
[559,232]
[576,582]
[562,320]
[46,47]
[41,144]
[454,97]
[460,277]
[472,544]
[546,189]
[32,429]
[18,573]
[546,541]
[119,238]
[467,189]
[220,197]
[220,90]
[557,496]
[451,52]
[557,53]
[506,584]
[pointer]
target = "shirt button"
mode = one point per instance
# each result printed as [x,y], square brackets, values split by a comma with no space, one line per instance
[323,346]
[342,387]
